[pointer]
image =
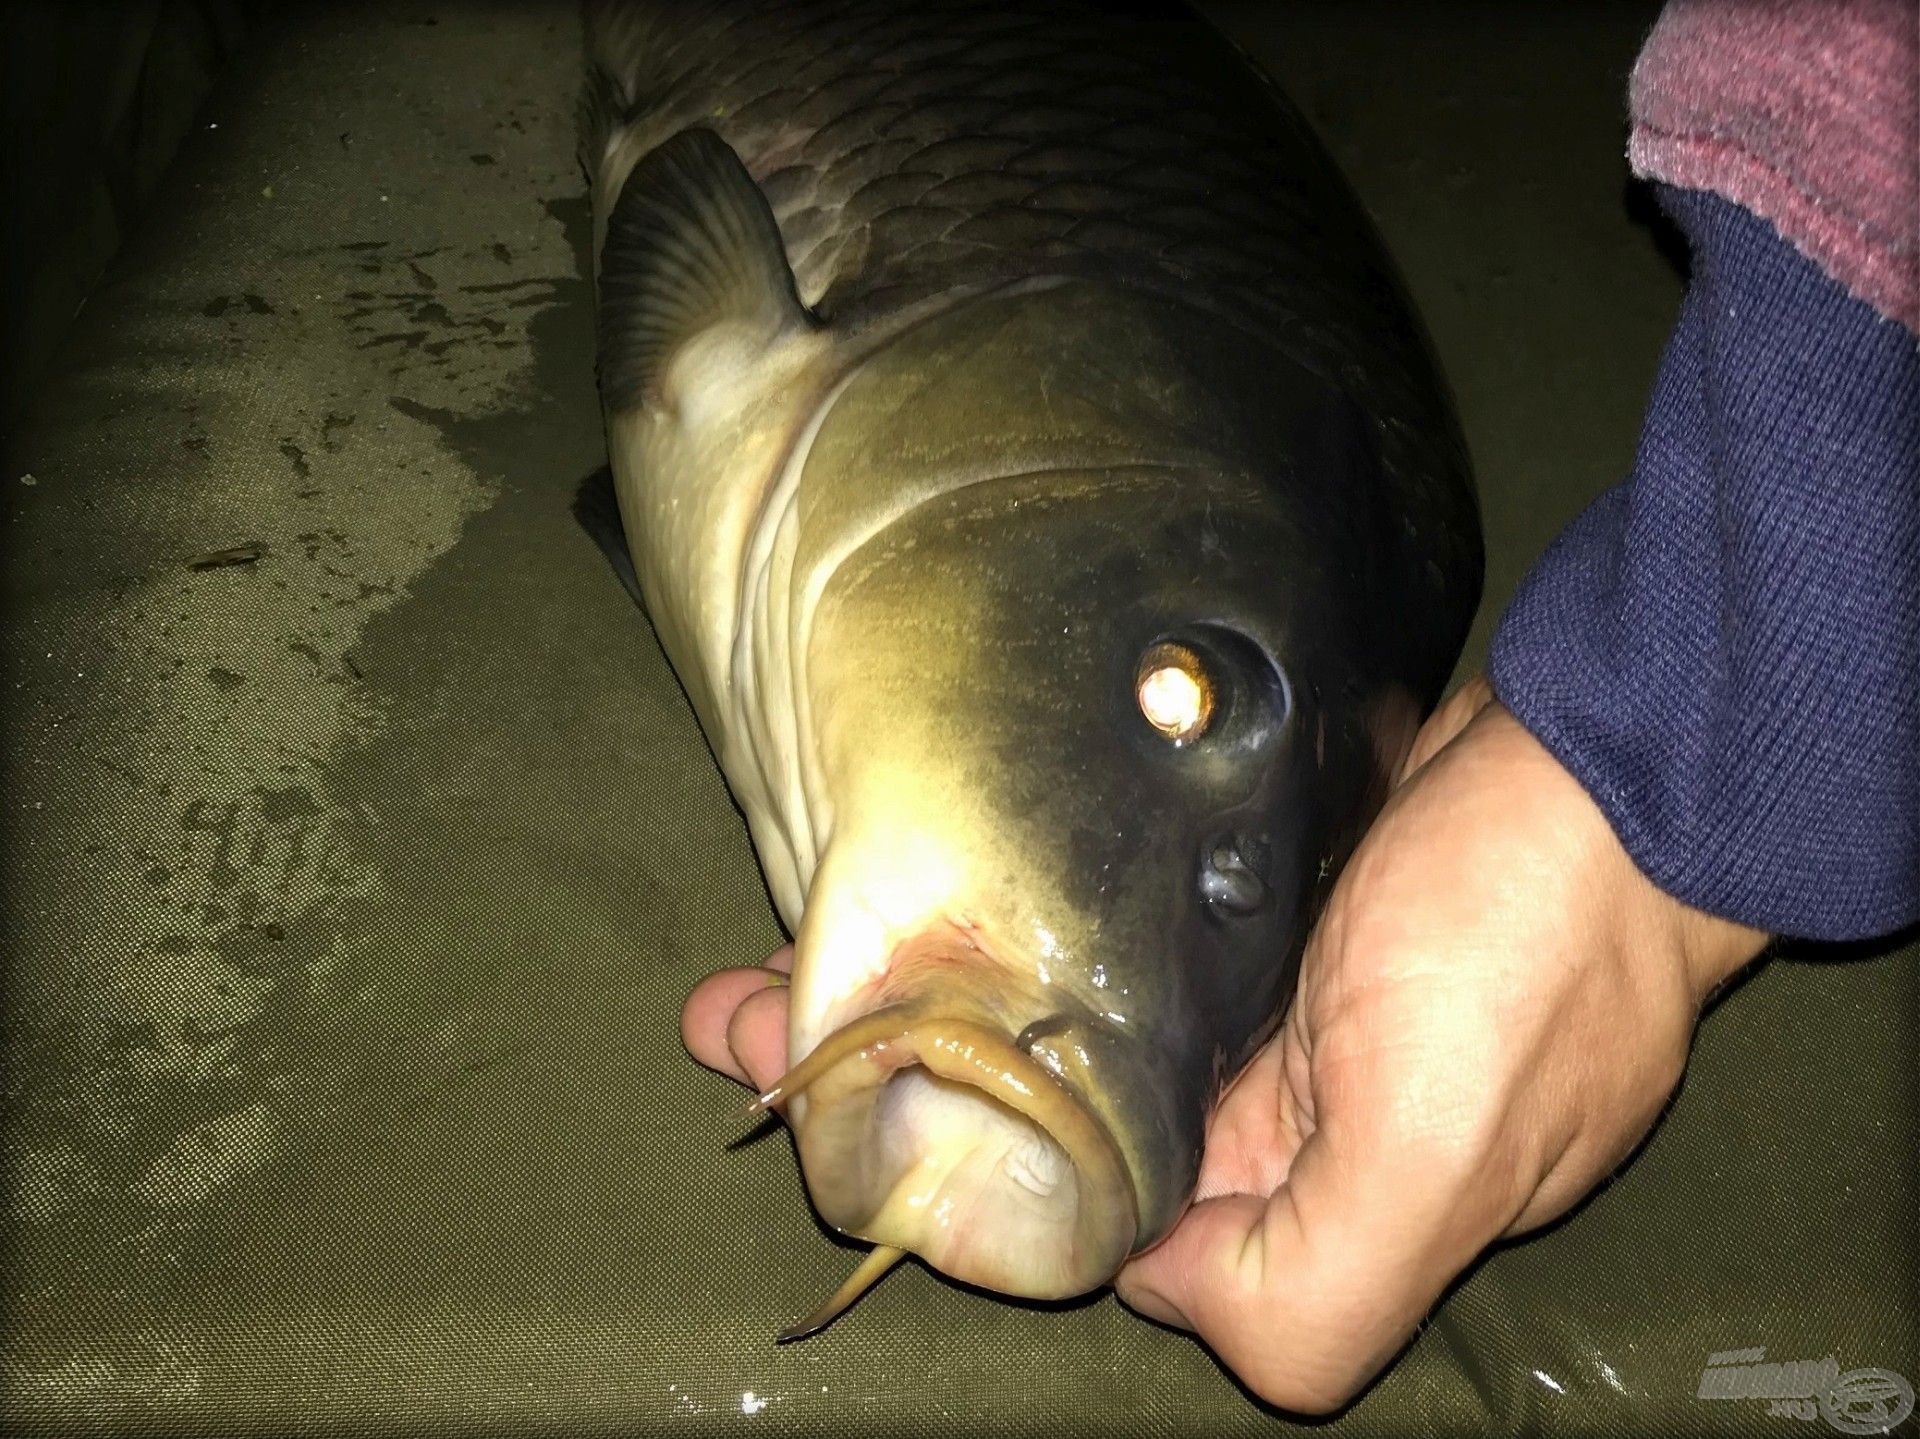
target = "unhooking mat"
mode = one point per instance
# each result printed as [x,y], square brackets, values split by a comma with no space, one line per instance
[361,847]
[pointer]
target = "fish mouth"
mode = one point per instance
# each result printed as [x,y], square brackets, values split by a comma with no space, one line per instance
[933,1132]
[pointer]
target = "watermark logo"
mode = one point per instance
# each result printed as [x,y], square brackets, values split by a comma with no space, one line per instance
[1856,1401]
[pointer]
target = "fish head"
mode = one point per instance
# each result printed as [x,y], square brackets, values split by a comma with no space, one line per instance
[1094,714]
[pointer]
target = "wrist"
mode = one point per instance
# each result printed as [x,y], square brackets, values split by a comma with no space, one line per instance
[1711,948]
[1715,948]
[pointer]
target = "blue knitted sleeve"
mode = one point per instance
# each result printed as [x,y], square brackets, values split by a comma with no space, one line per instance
[1725,649]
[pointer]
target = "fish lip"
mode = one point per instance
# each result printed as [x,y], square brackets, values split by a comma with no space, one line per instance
[860,1059]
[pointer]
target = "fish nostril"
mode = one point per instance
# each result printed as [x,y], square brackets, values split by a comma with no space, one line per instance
[1230,878]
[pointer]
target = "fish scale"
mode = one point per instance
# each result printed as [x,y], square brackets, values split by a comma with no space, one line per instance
[945,142]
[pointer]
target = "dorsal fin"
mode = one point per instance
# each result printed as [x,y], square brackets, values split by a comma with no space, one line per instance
[691,244]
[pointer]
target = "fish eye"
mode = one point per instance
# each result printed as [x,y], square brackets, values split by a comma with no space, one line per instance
[1175,692]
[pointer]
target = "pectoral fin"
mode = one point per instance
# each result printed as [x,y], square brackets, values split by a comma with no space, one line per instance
[692,250]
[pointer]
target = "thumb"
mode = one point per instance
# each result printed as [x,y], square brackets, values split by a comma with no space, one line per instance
[1306,1294]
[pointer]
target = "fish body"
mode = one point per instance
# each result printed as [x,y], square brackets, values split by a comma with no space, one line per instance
[1039,482]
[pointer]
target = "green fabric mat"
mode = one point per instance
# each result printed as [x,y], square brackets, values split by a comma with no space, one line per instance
[350,894]
[94,101]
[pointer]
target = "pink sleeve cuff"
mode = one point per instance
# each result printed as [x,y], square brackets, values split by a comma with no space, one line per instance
[1806,112]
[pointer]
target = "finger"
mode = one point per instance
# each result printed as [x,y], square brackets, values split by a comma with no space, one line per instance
[1257,1125]
[710,1008]
[757,1036]
[1308,1293]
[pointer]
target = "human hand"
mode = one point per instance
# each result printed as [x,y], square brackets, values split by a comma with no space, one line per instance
[1492,1011]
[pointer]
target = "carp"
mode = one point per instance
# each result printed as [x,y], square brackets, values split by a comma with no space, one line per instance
[1041,486]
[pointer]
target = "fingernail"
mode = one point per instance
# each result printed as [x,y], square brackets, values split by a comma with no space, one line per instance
[775,979]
